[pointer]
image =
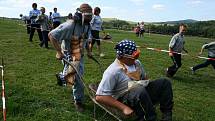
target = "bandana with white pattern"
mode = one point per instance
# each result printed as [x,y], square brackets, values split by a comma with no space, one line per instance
[125,48]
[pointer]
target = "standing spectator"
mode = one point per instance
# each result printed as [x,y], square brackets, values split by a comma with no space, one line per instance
[176,46]
[33,15]
[211,54]
[142,29]
[71,36]
[50,16]
[43,20]
[96,26]
[27,22]
[50,21]
[55,18]
[137,29]
[70,16]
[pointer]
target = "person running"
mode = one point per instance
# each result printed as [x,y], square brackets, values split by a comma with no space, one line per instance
[211,54]
[56,18]
[27,22]
[44,23]
[176,46]
[125,86]
[71,35]
[96,27]
[34,25]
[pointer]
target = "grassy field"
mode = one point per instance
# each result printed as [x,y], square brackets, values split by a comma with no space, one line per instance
[32,93]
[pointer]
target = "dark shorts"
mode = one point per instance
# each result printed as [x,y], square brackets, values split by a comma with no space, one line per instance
[96,37]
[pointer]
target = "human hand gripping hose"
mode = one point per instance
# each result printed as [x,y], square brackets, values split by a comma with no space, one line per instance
[3,91]
[79,75]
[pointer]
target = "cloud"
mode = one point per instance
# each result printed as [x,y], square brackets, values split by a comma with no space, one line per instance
[195,2]
[158,7]
[49,1]
[138,2]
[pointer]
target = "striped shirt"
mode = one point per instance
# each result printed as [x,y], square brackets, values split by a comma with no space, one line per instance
[211,49]
[96,23]
[177,43]
[33,15]
[114,81]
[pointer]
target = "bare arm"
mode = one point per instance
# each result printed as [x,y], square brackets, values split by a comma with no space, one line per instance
[56,45]
[109,100]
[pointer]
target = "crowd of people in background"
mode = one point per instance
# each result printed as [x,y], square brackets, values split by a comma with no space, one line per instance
[139,29]
[42,23]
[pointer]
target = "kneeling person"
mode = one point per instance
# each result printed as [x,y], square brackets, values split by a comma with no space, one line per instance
[124,86]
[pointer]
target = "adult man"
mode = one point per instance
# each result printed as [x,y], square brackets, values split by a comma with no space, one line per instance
[34,25]
[176,46]
[124,86]
[211,54]
[27,21]
[55,18]
[70,35]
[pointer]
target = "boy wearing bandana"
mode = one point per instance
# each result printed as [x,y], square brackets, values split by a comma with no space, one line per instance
[124,85]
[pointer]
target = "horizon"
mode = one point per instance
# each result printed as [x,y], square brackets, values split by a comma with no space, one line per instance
[128,10]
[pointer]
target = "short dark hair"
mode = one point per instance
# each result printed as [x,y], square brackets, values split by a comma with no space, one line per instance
[55,8]
[184,25]
[97,9]
[34,4]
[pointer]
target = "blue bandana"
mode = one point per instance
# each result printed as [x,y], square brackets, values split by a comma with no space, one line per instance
[125,48]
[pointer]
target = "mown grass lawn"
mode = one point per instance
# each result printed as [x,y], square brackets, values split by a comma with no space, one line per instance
[32,93]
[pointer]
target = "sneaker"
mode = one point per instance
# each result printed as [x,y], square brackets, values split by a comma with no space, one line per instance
[193,72]
[167,74]
[79,106]
[102,55]
[166,116]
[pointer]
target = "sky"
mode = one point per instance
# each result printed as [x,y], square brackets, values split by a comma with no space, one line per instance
[130,10]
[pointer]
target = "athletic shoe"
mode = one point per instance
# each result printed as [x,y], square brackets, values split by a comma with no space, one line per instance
[167,74]
[59,81]
[193,72]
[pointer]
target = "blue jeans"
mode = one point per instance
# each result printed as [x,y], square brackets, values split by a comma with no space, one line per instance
[78,87]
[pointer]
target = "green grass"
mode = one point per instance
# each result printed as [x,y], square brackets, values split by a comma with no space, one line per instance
[32,93]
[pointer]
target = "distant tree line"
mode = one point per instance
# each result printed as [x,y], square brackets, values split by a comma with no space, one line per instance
[117,24]
[201,28]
